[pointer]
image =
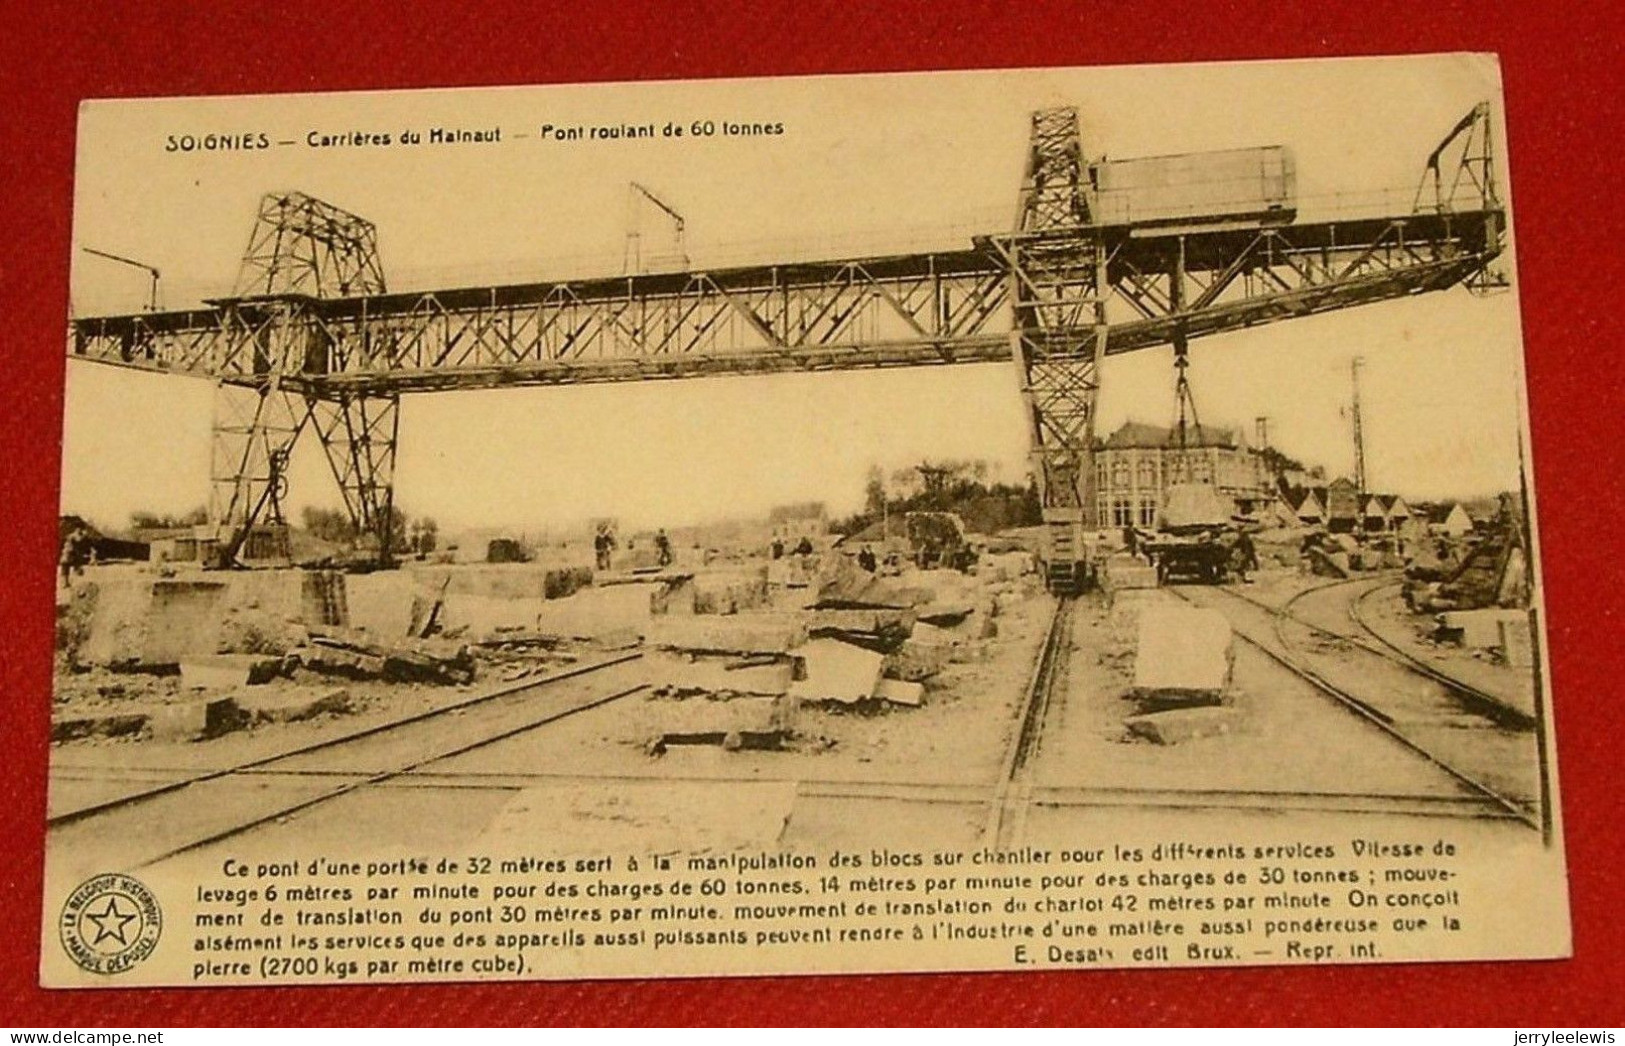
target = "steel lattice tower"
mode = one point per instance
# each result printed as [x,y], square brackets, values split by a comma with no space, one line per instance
[301,249]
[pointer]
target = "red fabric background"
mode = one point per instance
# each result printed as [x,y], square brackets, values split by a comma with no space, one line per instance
[1563,107]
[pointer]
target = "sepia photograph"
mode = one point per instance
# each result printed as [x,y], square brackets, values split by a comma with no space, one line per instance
[1015,519]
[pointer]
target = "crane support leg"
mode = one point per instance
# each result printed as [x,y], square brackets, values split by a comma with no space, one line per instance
[253,436]
[1058,282]
[359,435]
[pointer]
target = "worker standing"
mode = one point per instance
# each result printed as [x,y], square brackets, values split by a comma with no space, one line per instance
[75,553]
[1245,556]
[663,554]
[603,544]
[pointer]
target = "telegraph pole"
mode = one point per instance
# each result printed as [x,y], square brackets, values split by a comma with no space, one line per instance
[1359,442]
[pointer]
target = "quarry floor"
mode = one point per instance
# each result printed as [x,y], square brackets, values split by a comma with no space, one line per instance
[918,777]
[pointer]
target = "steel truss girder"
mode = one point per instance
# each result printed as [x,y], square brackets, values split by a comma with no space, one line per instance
[907,310]
[929,308]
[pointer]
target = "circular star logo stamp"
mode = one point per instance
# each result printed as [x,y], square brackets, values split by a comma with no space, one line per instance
[110,923]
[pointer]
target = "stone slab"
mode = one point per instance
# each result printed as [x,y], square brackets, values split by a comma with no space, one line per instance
[735,634]
[1517,647]
[286,706]
[899,692]
[194,720]
[96,722]
[596,613]
[503,580]
[663,714]
[1179,725]
[1182,651]
[725,591]
[1481,629]
[381,602]
[1124,572]
[922,655]
[722,674]
[838,671]
[943,613]
[227,671]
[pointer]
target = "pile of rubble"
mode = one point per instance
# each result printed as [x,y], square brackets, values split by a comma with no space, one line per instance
[860,644]
[209,696]
[732,657]
[197,657]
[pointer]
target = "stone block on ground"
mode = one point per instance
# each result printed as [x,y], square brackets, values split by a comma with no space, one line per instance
[141,621]
[1182,654]
[899,692]
[194,720]
[96,722]
[837,671]
[944,613]
[1517,646]
[1123,616]
[360,656]
[595,613]
[1179,725]
[665,713]
[728,591]
[483,615]
[340,661]
[1124,572]
[717,674]
[265,611]
[381,602]
[1327,564]
[734,634]
[616,639]
[1481,629]
[286,706]
[879,629]
[673,596]
[228,671]
[922,655]
[842,583]
[1003,566]
[503,580]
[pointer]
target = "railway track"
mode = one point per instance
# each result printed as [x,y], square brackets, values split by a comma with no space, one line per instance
[1013,790]
[1294,659]
[1498,705]
[176,817]
[1474,698]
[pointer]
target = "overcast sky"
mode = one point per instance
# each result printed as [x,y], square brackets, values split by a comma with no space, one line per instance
[865,165]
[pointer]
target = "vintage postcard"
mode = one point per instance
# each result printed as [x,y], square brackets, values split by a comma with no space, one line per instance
[1006,520]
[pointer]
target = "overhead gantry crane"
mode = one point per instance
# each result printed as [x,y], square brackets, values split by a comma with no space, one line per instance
[1104,258]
